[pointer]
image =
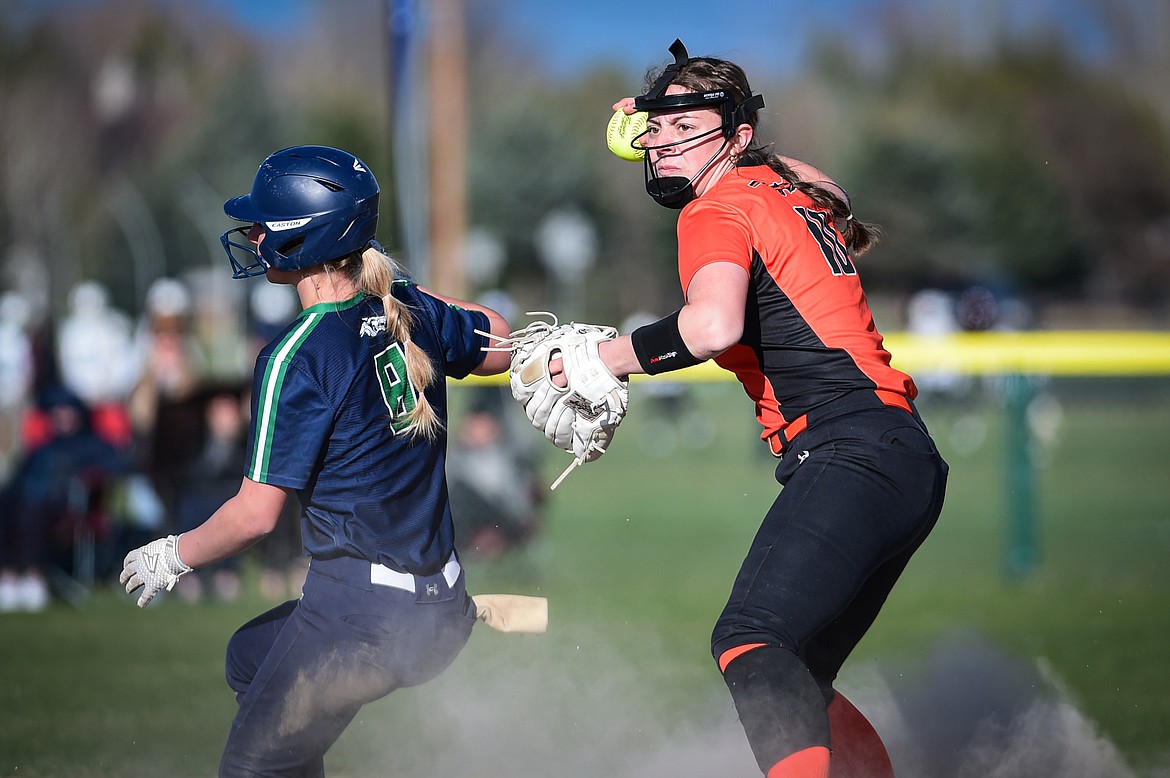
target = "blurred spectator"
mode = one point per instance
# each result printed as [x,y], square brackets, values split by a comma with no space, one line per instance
[271,308]
[931,313]
[166,413]
[982,308]
[16,374]
[53,493]
[977,309]
[211,479]
[170,360]
[494,487]
[95,358]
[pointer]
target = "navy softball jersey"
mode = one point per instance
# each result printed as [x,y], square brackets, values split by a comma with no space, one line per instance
[327,426]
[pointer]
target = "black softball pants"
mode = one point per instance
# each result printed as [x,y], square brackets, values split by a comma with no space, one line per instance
[861,492]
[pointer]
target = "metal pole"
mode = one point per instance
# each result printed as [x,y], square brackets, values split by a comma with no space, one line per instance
[1021,494]
[408,132]
[448,152]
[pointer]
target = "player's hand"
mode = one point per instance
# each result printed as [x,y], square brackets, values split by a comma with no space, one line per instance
[625,105]
[154,567]
[566,390]
[556,373]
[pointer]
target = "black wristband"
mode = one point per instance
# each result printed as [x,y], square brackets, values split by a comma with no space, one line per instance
[660,348]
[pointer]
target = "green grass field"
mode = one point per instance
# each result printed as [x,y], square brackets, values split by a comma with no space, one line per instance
[639,552]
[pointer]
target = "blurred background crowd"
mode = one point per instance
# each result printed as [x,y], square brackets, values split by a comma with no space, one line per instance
[116,429]
[1016,154]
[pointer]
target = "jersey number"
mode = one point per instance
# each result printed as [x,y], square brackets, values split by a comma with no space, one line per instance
[399,396]
[835,252]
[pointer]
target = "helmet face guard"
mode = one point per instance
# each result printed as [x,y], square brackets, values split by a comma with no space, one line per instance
[246,260]
[315,203]
[676,191]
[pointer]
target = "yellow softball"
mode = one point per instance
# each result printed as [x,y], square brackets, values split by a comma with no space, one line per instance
[619,135]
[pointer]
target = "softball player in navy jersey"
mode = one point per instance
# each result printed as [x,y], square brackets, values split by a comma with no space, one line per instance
[348,410]
[772,295]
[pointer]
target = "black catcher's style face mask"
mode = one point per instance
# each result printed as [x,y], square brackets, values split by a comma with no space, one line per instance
[676,191]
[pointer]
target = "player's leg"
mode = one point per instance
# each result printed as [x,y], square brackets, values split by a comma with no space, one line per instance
[908,458]
[781,709]
[858,750]
[772,610]
[251,643]
[345,644]
[834,523]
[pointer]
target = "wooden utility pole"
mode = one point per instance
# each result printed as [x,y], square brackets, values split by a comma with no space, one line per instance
[447,146]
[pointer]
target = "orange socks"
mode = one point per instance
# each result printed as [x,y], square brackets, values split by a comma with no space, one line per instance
[858,751]
[809,763]
[759,676]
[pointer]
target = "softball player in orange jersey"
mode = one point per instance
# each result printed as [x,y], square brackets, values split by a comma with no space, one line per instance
[766,249]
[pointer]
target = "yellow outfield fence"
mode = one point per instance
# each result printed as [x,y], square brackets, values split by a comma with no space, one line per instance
[1053,353]
[1067,352]
[1018,356]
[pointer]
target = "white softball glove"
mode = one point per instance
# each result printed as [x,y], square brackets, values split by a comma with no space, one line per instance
[154,567]
[582,417]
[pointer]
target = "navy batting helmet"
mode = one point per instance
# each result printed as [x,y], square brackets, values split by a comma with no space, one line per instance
[316,204]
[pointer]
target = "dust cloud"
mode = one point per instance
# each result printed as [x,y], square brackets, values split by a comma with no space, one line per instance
[567,704]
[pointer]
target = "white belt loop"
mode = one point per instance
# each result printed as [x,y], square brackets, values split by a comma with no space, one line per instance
[451,571]
[384,576]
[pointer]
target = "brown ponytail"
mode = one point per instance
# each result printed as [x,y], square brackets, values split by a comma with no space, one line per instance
[859,236]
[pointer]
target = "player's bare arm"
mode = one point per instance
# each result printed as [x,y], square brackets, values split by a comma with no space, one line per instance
[236,525]
[707,323]
[712,319]
[239,522]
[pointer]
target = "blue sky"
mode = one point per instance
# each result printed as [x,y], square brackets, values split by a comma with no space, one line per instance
[566,35]
[574,31]
[572,34]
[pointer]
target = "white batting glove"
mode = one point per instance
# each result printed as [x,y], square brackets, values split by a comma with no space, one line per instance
[154,567]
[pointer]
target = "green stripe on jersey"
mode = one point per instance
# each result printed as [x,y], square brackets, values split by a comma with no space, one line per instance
[269,394]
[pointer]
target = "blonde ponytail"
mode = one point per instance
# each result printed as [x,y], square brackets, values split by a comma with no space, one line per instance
[377,278]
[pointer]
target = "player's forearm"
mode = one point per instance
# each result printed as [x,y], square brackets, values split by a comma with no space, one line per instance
[618,355]
[239,523]
[703,330]
[494,361]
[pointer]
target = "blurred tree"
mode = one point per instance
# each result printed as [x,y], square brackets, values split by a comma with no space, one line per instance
[330,82]
[525,161]
[1007,168]
[45,153]
[537,146]
[106,100]
[986,147]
